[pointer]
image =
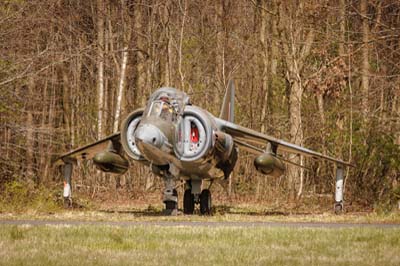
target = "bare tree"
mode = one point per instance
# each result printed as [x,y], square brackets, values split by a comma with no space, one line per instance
[365,59]
[100,66]
[296,42]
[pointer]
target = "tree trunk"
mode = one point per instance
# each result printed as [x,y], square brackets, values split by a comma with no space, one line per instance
[143,70]
[296,48]
[321,111]
[365,61]
[168,48]
[342,25]
[100,66]
[219,53]
[320,102]
[180,46]
[121,86]
[274,42]
[296,134]
[396,113]
[30,139]
[264,74]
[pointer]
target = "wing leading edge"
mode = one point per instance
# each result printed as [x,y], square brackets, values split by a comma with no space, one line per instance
[88,151]
[243,136]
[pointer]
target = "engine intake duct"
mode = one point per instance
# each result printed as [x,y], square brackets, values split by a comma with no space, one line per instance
[226,152]
[269,164]
[223,145]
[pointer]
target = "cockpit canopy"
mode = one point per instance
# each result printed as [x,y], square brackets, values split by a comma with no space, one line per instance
[177,99]
[163,110]
[166,103]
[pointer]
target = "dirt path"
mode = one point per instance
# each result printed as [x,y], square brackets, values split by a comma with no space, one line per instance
[197,224]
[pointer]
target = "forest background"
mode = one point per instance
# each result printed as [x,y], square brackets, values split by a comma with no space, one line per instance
[321,74]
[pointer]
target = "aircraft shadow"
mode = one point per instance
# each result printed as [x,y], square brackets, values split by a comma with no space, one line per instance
[217,210]
[149,213]
[223,209]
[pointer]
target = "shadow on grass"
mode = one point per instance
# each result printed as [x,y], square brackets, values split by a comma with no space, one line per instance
[224,209]
[146,212]
[217,210]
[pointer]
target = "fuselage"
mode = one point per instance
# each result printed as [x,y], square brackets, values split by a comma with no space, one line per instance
[186,146]
[178,139]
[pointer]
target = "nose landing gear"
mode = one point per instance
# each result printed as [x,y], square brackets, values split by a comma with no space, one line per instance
[171,202]
[170,197]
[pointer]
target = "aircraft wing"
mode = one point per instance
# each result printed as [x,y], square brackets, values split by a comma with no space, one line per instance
[247,138]
[88,151]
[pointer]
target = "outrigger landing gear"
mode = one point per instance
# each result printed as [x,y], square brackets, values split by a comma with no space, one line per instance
[338,206]
[67,172]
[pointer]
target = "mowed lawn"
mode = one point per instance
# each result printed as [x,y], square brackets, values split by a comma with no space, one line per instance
[153,245]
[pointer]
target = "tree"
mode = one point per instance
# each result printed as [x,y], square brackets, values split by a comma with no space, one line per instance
[100,66]
[365,60]
[296,41]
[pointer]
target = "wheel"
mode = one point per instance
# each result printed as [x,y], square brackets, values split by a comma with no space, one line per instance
[205,202]
[67,203]
[170,204]
[188,202]
[338,208]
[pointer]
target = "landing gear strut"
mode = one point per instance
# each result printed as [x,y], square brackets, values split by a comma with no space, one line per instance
[171,206]
[67,172]
[170,197]
[338,207]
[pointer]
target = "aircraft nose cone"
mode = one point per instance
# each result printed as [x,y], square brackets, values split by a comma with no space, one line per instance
[149,134]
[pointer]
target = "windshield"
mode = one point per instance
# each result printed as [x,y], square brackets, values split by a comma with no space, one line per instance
[166,103]
[162,110]
[177,99]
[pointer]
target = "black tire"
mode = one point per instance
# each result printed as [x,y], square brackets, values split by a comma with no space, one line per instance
[188,202]
[67,203]
[172,205]
[205,202]
[338,208]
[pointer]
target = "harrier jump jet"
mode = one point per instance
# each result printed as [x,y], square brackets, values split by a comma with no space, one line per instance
[180,141]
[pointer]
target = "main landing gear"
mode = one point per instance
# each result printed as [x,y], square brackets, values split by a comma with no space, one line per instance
[205,202]
[204,199]
[188,202]
[193,196]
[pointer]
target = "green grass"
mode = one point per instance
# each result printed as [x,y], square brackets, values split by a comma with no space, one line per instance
[152,245]
[244,213]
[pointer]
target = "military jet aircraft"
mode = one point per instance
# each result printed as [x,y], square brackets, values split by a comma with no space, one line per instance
[181,141]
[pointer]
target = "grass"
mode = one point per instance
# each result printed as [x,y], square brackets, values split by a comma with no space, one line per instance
[152,245]
[244,213]
[20,201]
